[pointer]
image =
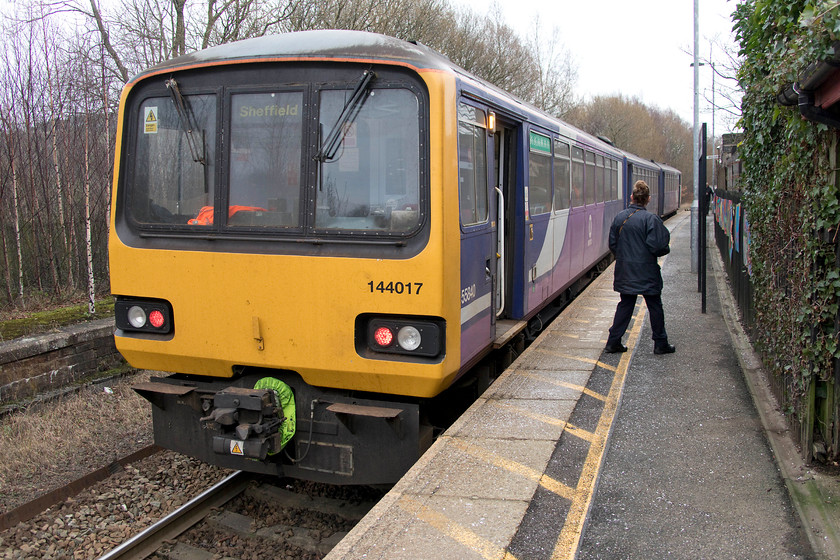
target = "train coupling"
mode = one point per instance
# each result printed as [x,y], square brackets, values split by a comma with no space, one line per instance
[247,421]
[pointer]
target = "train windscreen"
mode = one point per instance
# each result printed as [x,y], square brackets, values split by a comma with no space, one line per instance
[258,153]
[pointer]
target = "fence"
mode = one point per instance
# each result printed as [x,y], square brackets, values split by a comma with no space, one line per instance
[732,235]
[814,416]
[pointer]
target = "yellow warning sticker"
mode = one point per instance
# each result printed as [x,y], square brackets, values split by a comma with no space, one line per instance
[236,447]
[151,120]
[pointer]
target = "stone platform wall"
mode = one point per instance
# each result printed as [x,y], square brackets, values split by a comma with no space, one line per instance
[47,362]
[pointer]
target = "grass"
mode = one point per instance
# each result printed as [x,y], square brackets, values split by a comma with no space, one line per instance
[79,432]
[47,320]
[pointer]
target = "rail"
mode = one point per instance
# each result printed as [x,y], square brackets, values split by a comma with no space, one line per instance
[149,540]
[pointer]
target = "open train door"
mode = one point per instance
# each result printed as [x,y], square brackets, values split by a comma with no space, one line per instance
[487,177]
[504,181]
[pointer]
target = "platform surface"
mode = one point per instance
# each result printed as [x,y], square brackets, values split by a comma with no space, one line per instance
[518,475]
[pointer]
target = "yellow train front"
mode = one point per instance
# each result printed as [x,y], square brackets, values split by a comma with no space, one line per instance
[274,217]
[318,233]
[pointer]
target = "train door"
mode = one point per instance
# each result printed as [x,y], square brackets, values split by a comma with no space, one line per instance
[577,213]
[477,216]
[504,173]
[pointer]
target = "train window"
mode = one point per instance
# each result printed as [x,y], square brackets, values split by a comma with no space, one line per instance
[561,150]
[591,195]
[174,171]
[539,175]
[372,181]
[472,164]
[265,159]
[618,195]
[577,177]
[562,176]
[600,179]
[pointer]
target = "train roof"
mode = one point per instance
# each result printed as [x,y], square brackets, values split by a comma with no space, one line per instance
[668,168]
[315,44]
[347,45]
[636,160]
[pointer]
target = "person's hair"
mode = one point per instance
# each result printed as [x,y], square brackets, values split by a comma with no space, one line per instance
[641,193]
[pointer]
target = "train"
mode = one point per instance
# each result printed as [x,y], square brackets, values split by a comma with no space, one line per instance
[317,236]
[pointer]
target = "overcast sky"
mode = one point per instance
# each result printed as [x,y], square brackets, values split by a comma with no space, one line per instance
[639,48]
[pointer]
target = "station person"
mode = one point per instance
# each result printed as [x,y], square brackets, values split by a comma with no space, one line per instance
[637,239]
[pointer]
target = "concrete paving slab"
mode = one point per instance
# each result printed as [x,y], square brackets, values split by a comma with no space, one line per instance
[529,419]
[554,360]
[498,469]
[442,528]
[539,384]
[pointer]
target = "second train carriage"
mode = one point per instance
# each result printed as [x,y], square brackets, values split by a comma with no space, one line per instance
[670,189]
[344,215]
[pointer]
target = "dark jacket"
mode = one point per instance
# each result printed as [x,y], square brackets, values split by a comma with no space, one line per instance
[636,247]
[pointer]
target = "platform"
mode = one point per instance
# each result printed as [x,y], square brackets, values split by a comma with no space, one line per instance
[516,476]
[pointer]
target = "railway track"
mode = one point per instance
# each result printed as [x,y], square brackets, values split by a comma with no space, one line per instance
[247,516]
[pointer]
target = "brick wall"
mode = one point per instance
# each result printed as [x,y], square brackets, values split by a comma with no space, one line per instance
[47,362]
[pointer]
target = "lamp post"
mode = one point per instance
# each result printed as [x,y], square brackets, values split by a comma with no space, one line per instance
[695,211]
[713,156]
[714,142]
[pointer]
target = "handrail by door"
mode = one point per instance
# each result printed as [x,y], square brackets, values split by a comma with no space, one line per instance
[500,250]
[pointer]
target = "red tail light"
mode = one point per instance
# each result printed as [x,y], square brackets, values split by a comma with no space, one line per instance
[383,336]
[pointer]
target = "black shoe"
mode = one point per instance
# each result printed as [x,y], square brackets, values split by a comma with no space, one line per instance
[615,348]
[664,349]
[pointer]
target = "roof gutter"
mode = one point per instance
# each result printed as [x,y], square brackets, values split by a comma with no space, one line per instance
[803,92]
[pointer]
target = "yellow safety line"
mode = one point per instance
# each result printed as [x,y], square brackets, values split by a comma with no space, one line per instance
[550,420]
[598,363]
[524,412]
[569,539]
[581,433]
[550,484]
[454,530]
[544,379]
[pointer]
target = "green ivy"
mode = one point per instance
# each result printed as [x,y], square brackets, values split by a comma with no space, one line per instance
[790,189]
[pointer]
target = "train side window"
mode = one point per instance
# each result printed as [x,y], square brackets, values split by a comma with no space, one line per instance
[577,177]
[265,159]
[562,176]
[539,174]
[472,165]
[591,195]
[617,194]
[600,188]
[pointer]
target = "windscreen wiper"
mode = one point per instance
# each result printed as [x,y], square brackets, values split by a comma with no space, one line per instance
[330,145]
[184,113]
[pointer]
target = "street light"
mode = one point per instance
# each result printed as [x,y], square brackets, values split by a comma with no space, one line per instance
[695,210]
[712,157]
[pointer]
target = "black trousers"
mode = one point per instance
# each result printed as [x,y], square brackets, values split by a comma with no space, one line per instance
[624,312]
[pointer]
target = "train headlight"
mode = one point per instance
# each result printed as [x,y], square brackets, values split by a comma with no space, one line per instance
[409,338]
[136,316]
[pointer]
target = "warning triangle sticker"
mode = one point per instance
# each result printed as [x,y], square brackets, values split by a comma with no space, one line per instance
[235,449]
[150,117]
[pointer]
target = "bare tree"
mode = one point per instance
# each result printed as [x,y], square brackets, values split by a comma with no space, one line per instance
[7,118]
[556,73]
[645,131]
[59,90]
